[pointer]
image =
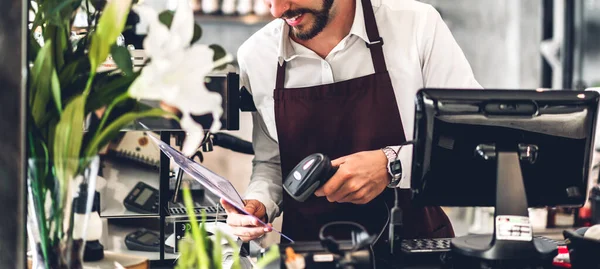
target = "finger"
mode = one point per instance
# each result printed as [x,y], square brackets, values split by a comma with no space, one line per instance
[245,232]
[239,220]
[229,209]
[246,239]
[251,208]
[339,161]
[347,188]
[333,184]
[348,198]
[362,197]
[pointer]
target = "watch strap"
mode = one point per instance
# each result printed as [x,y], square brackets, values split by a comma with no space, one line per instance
[394,166]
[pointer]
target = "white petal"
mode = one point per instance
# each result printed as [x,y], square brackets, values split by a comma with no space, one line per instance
[199,60]
[182,26]
[158,33]
[194,135]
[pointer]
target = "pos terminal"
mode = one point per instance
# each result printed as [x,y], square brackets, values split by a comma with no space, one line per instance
[511,149]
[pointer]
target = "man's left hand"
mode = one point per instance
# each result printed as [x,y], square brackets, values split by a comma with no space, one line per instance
[360,178]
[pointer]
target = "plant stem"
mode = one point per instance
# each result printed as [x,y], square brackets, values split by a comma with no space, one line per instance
[88,85]
[110,107]
[201,255]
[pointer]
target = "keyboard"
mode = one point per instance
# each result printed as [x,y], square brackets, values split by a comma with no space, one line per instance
[443,244]
[210,211]
[426,245]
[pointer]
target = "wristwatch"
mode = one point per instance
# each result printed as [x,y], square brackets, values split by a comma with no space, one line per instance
[394,166]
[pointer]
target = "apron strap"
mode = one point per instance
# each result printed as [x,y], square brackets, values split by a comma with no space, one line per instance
[376,42]
[279,83]
[375,45]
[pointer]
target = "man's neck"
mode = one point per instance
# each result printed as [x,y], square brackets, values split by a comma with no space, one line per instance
[337,28]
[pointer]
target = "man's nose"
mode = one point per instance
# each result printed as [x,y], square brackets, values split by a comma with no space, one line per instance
[278,7]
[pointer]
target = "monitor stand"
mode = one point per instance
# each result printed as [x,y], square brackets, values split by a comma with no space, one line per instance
[513,235]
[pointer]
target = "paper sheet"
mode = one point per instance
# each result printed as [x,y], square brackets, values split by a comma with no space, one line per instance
[210,180]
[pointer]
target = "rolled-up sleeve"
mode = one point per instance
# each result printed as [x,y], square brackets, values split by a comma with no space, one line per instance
[265,181]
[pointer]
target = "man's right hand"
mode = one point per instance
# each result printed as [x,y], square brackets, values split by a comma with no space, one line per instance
[247,227]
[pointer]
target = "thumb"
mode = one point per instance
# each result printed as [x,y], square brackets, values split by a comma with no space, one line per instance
[251,207]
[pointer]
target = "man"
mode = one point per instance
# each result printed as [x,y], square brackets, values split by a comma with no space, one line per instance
[324,81]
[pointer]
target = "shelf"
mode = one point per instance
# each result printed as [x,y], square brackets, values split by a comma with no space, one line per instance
[249,20]
[114,241]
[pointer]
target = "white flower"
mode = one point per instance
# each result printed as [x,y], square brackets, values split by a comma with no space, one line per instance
[176,72]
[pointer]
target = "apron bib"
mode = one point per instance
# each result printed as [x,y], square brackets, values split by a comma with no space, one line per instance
[340,119]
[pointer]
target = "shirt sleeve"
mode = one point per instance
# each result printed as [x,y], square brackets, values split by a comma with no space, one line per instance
[444,64]
[265,181]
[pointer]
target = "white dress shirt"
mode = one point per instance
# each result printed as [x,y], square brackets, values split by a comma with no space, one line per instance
[419,51]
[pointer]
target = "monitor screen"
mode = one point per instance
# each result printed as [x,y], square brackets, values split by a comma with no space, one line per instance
[555,129]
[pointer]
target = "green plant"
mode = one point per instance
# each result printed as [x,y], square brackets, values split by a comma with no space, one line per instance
[200,251]
[75,108]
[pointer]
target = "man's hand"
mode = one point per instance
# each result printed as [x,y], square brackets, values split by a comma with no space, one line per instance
[243,226]
[360,178]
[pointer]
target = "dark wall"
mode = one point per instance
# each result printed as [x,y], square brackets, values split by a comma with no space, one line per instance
[12,134]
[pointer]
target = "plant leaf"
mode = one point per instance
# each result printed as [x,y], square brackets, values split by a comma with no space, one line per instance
[67,143]
[200,246]
[67,74]
[219,53]
[55,86]
[122,58]
[44,83]
[109,27]
[106,92]
[272,255]
[61,43]
[217,251]
[62,7]
[115,127]
[236,253]
[166,17]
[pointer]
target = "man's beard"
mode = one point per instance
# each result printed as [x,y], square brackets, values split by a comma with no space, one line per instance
[321,20]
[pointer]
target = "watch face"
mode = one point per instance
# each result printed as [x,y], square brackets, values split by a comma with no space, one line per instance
[396,167]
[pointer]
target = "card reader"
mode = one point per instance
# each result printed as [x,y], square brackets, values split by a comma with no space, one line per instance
[310,174]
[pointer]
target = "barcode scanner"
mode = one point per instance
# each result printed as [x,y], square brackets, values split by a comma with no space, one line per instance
[308,175]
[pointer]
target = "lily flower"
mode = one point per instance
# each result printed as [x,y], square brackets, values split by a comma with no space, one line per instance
[176,72]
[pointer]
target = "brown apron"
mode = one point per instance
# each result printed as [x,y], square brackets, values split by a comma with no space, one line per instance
[340,119]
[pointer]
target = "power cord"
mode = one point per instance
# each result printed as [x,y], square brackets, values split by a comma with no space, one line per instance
[395,227]
[360,239]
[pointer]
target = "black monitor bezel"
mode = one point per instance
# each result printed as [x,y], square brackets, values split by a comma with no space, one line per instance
[587,98]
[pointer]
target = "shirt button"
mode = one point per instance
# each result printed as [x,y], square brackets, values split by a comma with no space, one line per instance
[326,66]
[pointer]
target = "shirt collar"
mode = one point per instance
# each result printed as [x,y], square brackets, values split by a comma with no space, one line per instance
[286,50]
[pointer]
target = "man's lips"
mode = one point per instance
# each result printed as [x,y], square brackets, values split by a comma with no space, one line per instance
[296,20]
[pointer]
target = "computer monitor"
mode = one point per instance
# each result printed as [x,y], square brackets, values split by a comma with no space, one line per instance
[511,149]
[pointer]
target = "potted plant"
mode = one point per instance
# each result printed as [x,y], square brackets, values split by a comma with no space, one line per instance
[75,107]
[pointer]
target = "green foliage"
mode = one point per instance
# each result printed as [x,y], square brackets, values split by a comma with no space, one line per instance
[64,89]
[110,25]
[122,58]
[196,247]
[219,53]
